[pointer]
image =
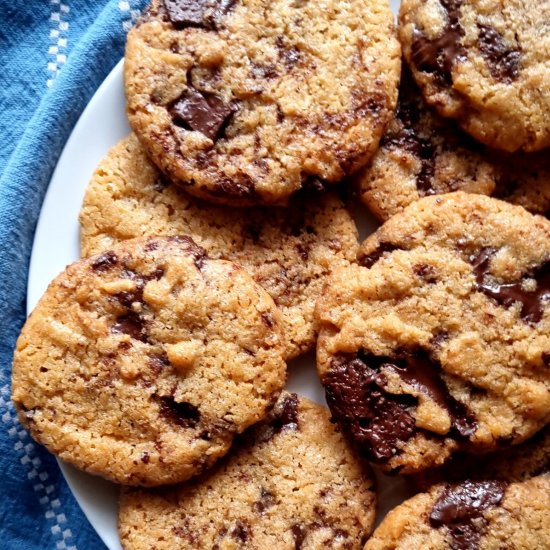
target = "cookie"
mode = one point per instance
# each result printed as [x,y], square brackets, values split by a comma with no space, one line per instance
[288,251]
[469,516]
[440,340]
[423,154]
[290,482]
[141,364]
[484,64]
[518,463]
[244,103]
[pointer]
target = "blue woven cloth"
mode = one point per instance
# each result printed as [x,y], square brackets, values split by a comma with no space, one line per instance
[53,54]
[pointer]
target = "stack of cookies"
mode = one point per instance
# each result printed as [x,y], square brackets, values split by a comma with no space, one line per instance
[218,244]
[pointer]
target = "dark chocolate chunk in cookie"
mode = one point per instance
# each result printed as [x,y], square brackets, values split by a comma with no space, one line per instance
[460,508]
[205,113]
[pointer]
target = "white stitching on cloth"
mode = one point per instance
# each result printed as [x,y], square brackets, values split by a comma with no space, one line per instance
[58,37]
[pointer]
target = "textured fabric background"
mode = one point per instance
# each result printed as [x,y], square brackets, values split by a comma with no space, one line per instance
[53,54]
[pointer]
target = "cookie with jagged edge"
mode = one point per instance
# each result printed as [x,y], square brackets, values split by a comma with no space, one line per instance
[423,154]
[142,363]
[245,103]
[288,251]
[439,340]
[471,515]
[484,64]
[290,482]
[517,463]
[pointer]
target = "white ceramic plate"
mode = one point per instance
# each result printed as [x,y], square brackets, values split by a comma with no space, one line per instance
[56,244]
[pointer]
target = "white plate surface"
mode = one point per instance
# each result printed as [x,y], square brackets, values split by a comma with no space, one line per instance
[56,244]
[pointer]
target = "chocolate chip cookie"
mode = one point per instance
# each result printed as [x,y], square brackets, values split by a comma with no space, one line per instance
[517,463]
[485,64]
[288,251]
[247,102]
[423,154]
[142,363]
[471,515]
[291,482]
[440,339]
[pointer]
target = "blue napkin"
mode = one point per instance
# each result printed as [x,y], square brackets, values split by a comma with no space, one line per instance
[53,54]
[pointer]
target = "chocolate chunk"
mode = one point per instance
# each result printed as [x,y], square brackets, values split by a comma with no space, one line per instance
[502,60]
[267,319]
[201,112]
[145,458]
[197,13]
[437,56]
[426,272]
[288,53]
[287,416]
[105,261]
[376,420]
[131,324]
[299,534]
[264,71]
[532,301]
[422,372]
[241,531]
[368,260]
[267,500]
[184,414]
[424,149]
[191,247]
[158,363]
[186,13]
[460,508]
[315,184]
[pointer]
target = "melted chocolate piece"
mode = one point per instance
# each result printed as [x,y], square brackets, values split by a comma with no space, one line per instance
[299,534]
[105,261]
[201,112]
[131,324]
[368,260]
[184,414]
[503,61]
[460,508]
[423,373]
[437,56]
[532,301]
[376,420]
[191,247]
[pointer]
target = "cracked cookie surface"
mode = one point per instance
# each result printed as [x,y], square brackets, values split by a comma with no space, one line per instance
[485,64]
[424,154]
[472,515]
[288,251]
[245,102]
[291,481]
[439,340]
[142,363]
